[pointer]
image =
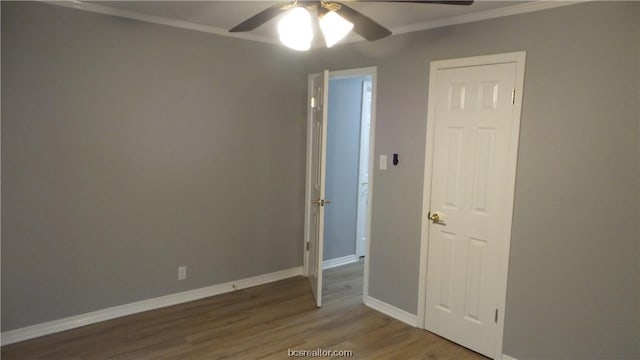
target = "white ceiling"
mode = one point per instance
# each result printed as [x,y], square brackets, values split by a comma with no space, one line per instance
[219,16]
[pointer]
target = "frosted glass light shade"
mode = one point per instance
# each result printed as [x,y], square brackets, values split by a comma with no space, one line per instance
[295,29]
[334,27]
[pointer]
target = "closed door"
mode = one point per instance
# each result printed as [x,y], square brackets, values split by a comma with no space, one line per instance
[317,111]
[474,114]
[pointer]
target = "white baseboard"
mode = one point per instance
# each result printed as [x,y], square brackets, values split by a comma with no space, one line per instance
[331,263]
[507,357]
[392,311]
[33,331]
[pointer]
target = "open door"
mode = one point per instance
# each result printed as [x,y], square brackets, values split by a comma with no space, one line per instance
[317,150]
[363,171]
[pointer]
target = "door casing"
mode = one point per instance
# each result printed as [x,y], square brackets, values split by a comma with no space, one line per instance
[364,71]
[519,59]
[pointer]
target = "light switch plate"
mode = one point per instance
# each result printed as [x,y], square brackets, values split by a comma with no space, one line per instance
[383,162]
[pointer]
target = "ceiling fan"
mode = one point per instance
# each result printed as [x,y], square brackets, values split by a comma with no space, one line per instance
[335,20]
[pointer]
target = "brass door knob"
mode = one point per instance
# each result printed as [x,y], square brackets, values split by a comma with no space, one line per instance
[435,218]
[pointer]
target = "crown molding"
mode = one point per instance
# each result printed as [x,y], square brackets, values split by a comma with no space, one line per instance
[454,20]
[101,9]
[485,15]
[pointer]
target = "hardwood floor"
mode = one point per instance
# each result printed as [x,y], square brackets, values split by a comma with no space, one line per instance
[257,323]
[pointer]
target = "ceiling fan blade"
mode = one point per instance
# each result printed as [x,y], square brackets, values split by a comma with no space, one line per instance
[362,24]
[258,19]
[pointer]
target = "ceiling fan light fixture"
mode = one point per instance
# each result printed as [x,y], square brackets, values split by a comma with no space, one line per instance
[334,27]
[295,29]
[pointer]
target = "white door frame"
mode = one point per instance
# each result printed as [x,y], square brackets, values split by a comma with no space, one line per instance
[365,71]
[519,59]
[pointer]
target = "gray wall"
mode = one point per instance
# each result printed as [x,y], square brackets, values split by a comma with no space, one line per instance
[343,155]
[129,149]
[574,270]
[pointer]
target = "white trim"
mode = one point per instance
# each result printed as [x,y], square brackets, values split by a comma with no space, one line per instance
[331,263]
[484,15]
[507,357]
[394,312]
[33,331]
[454,20]
[350,73]
[106,10]
[519,59]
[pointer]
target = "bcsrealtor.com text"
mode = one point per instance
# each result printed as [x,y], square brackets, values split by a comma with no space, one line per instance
[319,353]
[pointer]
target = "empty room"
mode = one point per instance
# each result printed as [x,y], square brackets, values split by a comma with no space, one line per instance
[276,179]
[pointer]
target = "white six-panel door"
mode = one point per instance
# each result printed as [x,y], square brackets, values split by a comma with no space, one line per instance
[472,155]
[317,111]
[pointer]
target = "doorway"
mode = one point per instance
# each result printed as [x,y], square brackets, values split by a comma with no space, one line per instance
[338,214]
[347,169]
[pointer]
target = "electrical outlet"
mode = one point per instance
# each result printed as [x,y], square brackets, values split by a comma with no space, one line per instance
[182,272]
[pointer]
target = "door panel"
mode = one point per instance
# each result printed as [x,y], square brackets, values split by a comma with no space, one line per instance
[317,108]
[472,130]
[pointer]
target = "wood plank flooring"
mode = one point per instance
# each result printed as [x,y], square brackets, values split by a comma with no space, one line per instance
[263,322]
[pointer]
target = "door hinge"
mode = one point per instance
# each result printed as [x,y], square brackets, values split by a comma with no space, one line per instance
[307,246]
[313,102]
[495,318]
[513,96]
